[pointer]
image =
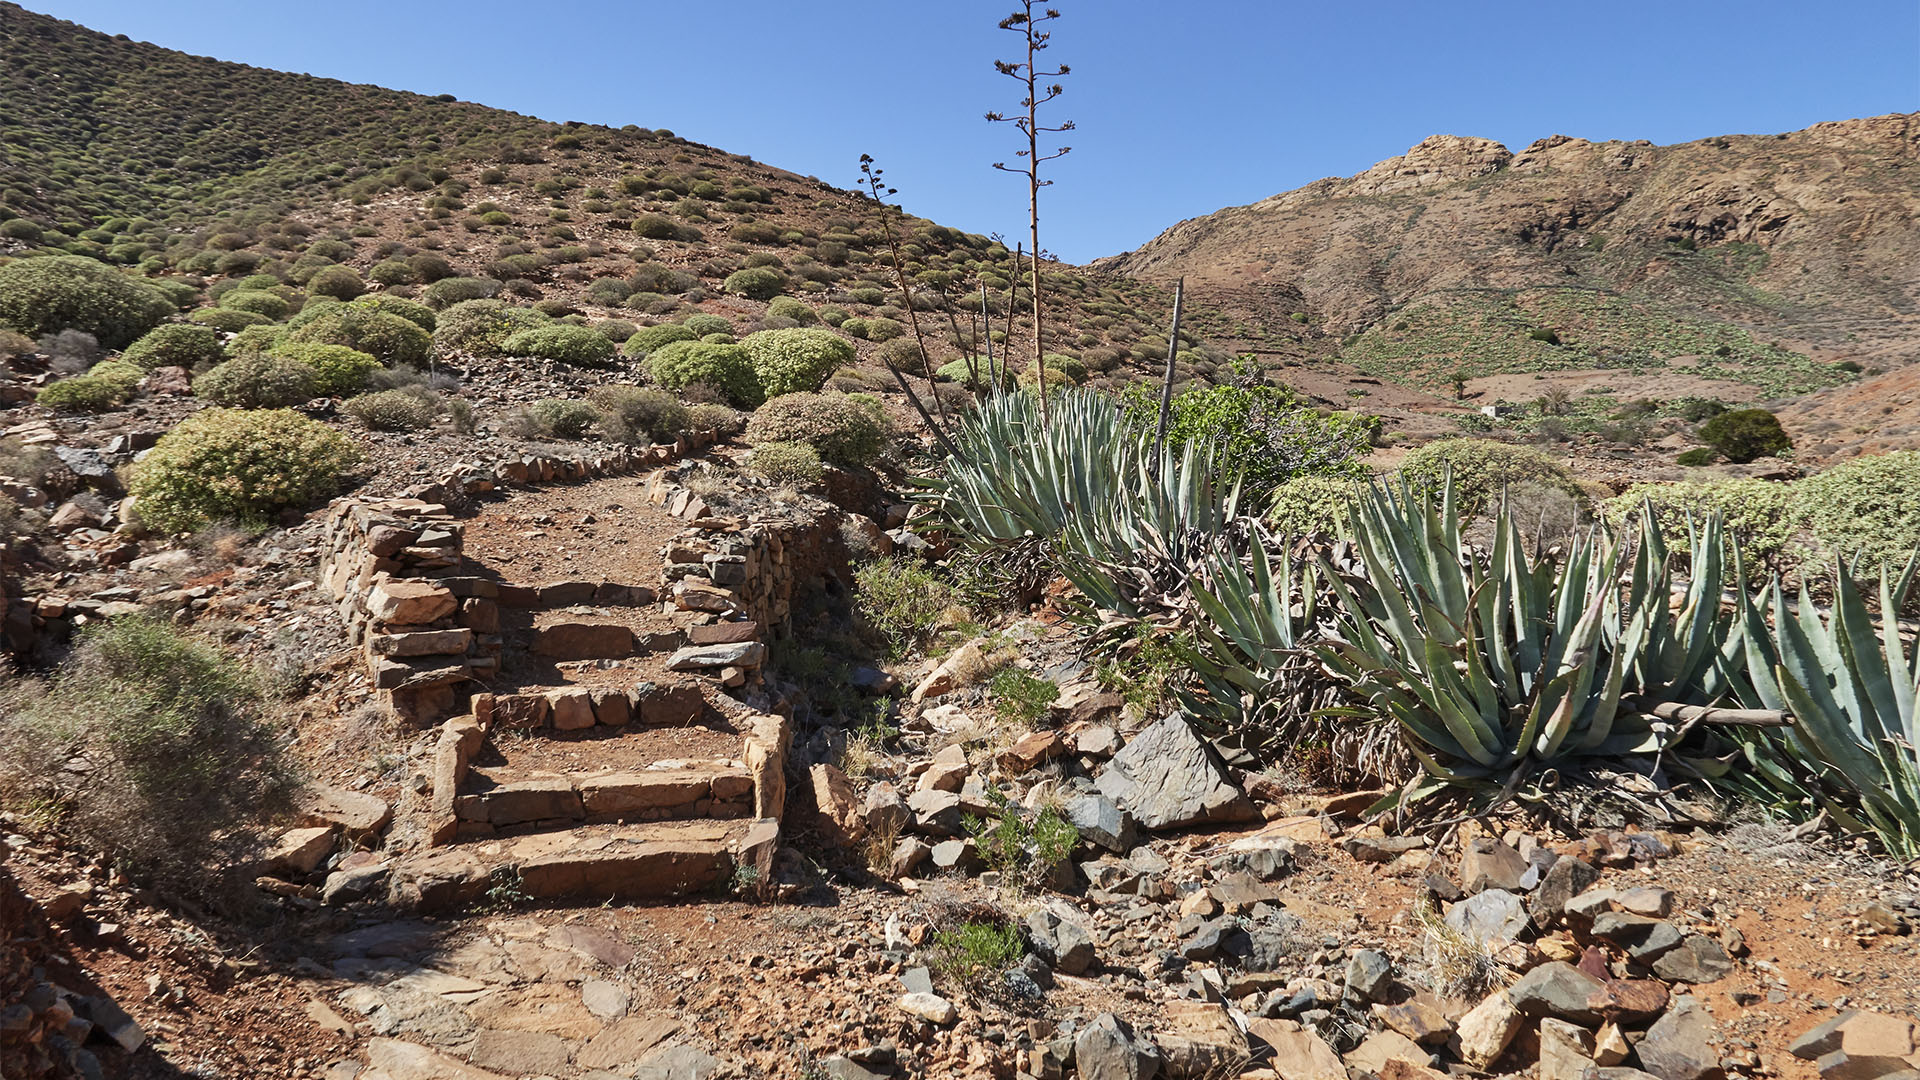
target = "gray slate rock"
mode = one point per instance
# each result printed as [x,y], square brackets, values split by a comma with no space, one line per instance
[1493,915]
[1369,975]
[1644,939]
[1102,822]
[1567,878]
[1698,959]
[1681,1044]
[1169,778]
[1064,944]
[1556,989]
[1108,1049]
[676,1062]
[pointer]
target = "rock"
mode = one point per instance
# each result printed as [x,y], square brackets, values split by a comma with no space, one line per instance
[917,980]
[1697,959]
[409,601]
[1417,1020]
[1167,777]
[935,812]
[1590,904]
[1489,864]
[1200,1041]
[1381,849]
[358,815]
[929,1007]
[1298,1053]
[1030,751]
[1681,1044]
[1558,990]
[358,883]
[676,1062]
[1108,1049]
[885,812]
[840,819]
[520,1053]
[300,851]
[1264,856]
[1859,1045]
[1373,1053]
[743,654]
[604,999]
[1102,822]
[1494,915]
[1369,975]
[1630,1001]
[625,1040]
[946,678]
[393,1059]
[1063,943]
[960,855]
[73,515]
[1610,1046]
[583,641]
[947,771]
[1644,939]
[111,1020]
[909,854]
[871,680]
[571,710]
[1651,902]
[1566,1050]
[1487,1029]
[1567,878]
[1097,741]
[67,901]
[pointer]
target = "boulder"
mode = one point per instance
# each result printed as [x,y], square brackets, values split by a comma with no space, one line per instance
[1493,916]
[744,654]
[1644,939]
[1559,990]
[1566,1050]
[1063,943]
[1298,1053]
[1567,878]
[947,677]
[1683,1044]
[583,641]
[1108,1049]
[1369,975]
[885,812]
[1487,1029]
[840,820]
[1167,777]
[408,601]
[1697,959]
[1490,864]
[1858,1045]
[929,1007]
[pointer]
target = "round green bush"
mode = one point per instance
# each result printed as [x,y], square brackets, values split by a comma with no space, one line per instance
[482,327]
[389,338]
[414,312]
[259,301]
[786,307]
[754,283]
[562,418]
[227,320]
[238,465]
[726,368]
[84,394]
[255,339]
[45,295]
[701,324]
[879,330]
[844,431]
[712,416]
[576,345]
[1482,469]
[1313,503]
[975,378]
[1696,457]
[449,291]
[792,463]
[175,345]
[796,360]
[1745,434]
[183,294]
[339,282]
[257,382]
[1866,507]
[1061,370]
[648,338]
[406,409]
[390,273]
[633,414]
[1758,514]
[337,370]
[614,330]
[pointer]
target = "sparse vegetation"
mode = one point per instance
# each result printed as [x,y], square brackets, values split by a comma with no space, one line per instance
[236,465]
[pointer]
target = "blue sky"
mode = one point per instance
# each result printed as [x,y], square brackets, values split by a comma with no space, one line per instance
[1182,108]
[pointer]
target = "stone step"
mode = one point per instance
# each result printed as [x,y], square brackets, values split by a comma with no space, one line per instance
[593,864]
[562,639]
[678,792]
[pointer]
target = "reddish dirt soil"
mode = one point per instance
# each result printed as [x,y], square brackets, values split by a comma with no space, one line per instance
[602,750]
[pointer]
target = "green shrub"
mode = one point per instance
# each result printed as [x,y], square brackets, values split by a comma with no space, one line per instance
[45,295]
[1551,337]
[1263,436]
[337,370]
[1866,508]
[255,339]
[902,599]
[84,394]
[1745,434]
[661,227]
[701,325]
[575,345]
[648,338]
[973,952]
[1314,503]
[562,418]
[754,283]
[1020,697]
[257,382]
[786,307]
[226,320]
[726,368]
[1061,369]
[175,345]
[792,463]
[614,330]
[633,414]
[418,314]
[844,431]
[449,291]
[1482,469]
[833,316]
[482,327]
[389,338]
[339,282]
[876,329]
[238,465]
[714,417]
[259,302]
[402,409]
[1758,514]
[1696,457]
[390,273]
[796,360]
[975,378]
[182,761]
[183,294]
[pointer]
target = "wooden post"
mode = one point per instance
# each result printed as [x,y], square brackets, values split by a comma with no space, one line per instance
[1166,386]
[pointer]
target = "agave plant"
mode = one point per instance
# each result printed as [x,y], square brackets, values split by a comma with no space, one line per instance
[1498,667]
[1852,689]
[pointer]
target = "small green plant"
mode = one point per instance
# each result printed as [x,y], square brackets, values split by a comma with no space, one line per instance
[1697,457]
[755,283]
[399,409]
[1020,697]
[632,414]
[392,339]
[1023,846]
[89,393]
[974,951]
[711,416]
[791,463]
[562,418]
[449,291]
[482,327]
[262,302]
[238,465]
[338,282]
[506,891]
[182,345]
[902,599]
[645,340]
[577,345]
[1865,508]
[796,360]
[1745,434]
[258,382]
[727,369]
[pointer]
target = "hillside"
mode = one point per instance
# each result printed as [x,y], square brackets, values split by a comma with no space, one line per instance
[1761,261]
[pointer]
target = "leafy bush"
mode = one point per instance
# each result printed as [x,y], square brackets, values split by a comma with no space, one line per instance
[844,431]
[1020,697]
[1482,469]
[1314,503]
[632,414]
[255,339]
[1264,435]
[902,599]
[238,465]
[576,345]
[399,409]
[482,327]
[227,320]
[755,283]
[796,360]
[726,368]
[974,951]
[392,339]
[52,293]
[792,463]
[258,382]
[713,417]
[562,418]
[662,227]
[1745,434]
[1696,457]
[175,345]
[337,370]
[449,291]
[875,329]
[786,307]
[418,314]
[1866,508]
[390,273]
[701,325]
[258,301]
[339,282]
[1757,514]
[648,338]
[182,761]
[84,394]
